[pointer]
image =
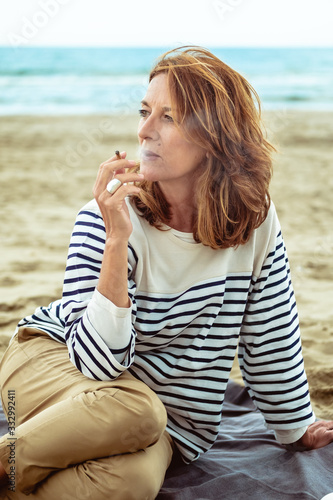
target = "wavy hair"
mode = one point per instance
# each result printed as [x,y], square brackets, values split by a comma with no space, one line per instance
[220,111]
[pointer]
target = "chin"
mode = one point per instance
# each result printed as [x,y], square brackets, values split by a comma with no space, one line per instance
[149,172]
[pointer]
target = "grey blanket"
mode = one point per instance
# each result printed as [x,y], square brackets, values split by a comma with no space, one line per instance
[246,462]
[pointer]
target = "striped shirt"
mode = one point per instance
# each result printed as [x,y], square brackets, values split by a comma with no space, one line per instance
[191,307]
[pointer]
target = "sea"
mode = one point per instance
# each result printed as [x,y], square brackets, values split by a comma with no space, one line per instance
[71,81]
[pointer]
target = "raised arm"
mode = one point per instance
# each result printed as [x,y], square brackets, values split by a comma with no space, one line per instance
[96,306]
[112,282]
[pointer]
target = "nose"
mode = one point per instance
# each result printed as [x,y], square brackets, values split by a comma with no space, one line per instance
[148,129]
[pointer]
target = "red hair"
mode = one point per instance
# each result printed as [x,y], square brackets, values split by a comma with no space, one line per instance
[216,109]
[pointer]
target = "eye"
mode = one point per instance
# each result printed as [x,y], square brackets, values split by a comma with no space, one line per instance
[168,118]
[143,113]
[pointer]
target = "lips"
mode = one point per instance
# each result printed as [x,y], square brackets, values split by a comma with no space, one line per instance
[146,154]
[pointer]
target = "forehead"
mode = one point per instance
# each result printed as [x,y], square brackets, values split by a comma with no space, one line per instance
[158,91]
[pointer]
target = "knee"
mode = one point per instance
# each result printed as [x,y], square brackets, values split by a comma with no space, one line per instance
[148,425]
[154,416]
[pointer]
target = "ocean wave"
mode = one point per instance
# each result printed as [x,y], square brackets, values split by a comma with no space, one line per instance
[92,80]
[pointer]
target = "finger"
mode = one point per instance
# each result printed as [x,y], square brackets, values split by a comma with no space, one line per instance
[109,160]
[103,166]
[107,171]
[119,156]
[117,198]
[117,165]
[129,177]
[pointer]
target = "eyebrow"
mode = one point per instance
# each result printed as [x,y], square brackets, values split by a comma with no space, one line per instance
[165,108]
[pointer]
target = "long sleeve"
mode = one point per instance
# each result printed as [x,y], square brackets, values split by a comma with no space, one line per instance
[191,307]
[100,336]
[270,353]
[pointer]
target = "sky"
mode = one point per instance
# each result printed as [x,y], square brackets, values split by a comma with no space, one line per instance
[212,23]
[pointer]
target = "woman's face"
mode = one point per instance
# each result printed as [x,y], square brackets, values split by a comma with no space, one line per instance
[166,155]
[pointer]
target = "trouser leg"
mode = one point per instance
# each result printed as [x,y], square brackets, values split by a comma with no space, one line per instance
[64,418]
[134,476]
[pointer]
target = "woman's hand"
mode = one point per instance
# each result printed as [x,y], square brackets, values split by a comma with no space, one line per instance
[113,206]
[112,281]
[318,434]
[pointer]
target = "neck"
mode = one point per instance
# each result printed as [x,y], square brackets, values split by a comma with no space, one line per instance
[182,208]
[182,222]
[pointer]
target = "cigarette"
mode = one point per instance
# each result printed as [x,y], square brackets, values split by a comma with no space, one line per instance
[137,164]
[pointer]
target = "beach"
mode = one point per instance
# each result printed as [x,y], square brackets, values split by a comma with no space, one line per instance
[48,166]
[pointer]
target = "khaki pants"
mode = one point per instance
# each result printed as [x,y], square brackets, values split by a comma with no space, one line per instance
[78,438]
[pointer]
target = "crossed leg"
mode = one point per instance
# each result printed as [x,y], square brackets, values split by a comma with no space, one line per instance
[76,437]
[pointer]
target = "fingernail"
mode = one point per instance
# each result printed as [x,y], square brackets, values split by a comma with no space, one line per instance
[132,162]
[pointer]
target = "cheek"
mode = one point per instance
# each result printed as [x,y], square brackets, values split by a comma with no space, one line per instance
[177,148]
[194,155]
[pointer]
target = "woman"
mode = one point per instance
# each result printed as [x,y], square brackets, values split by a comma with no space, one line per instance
[168,271]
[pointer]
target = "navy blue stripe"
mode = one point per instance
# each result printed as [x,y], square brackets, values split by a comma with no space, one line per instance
[190,369]
[92,357]
[279,382]
[283,392]
[85,245]
[79,279]
[271,372]
[196,411]
[75,267]
[284,401]
[177,314]
[274,328]
[133,253]
[176,298]
[91,224]
[190,449]
[274,340]
[81,291]
[272,307]
[272,296]
[79,308]
[169,376]
[263,280]
[289,421]
[90,214]
[90,236]
[273,351]
[289,410]
[256,364]
[194,433]
[192,325]
[193,300]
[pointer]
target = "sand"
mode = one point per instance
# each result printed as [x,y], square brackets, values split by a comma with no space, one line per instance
[48,166]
